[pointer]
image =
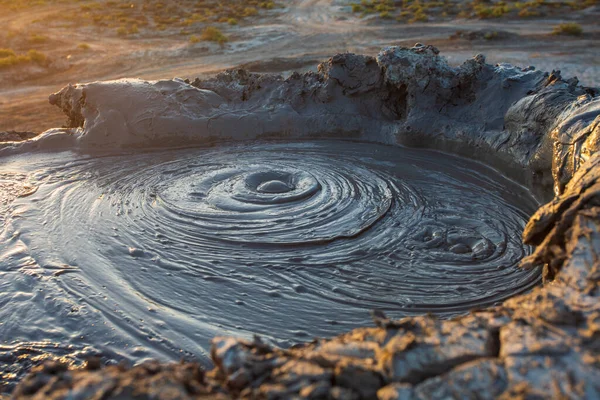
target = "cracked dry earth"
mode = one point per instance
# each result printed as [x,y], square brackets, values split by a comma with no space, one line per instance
[542,344]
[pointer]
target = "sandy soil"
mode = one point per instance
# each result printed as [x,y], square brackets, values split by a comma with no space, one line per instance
[280,40]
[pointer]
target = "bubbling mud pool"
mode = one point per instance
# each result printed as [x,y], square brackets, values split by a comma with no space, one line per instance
[153,254]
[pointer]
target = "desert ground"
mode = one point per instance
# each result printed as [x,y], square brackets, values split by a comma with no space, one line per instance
[62,42]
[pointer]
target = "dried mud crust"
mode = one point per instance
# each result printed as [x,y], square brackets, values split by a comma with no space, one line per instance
[544,344]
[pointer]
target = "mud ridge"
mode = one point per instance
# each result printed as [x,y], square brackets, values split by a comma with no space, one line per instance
[536,127]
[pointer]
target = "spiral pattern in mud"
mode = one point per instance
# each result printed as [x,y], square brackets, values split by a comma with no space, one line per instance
[285,240]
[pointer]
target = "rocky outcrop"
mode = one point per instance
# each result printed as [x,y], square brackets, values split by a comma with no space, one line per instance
[173,381]
[534,126]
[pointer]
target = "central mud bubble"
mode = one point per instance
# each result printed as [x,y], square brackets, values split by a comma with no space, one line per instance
[285,240]
[271,182]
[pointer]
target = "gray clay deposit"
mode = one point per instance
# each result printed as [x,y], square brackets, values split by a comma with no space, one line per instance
[289,241]
[124,253]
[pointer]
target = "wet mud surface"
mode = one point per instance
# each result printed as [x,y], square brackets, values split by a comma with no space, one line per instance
[286,240]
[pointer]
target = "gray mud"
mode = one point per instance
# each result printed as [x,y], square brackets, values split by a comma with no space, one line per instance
[286,240]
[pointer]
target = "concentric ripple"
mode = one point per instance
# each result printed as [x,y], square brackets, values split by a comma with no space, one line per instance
[284,240]
[272,201]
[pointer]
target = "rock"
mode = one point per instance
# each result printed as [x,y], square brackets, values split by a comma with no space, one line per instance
[360,379]
[430,347]
[396,391]
[486,377]
[150,380]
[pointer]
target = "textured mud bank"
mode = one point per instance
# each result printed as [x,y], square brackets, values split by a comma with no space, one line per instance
[535,127]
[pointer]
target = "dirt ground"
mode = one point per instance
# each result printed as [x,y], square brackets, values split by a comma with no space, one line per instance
[292,36]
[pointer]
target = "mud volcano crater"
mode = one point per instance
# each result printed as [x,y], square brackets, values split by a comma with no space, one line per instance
[294,237]
[301,236]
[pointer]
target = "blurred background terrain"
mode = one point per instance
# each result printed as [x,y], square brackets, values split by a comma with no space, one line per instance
[46,44]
